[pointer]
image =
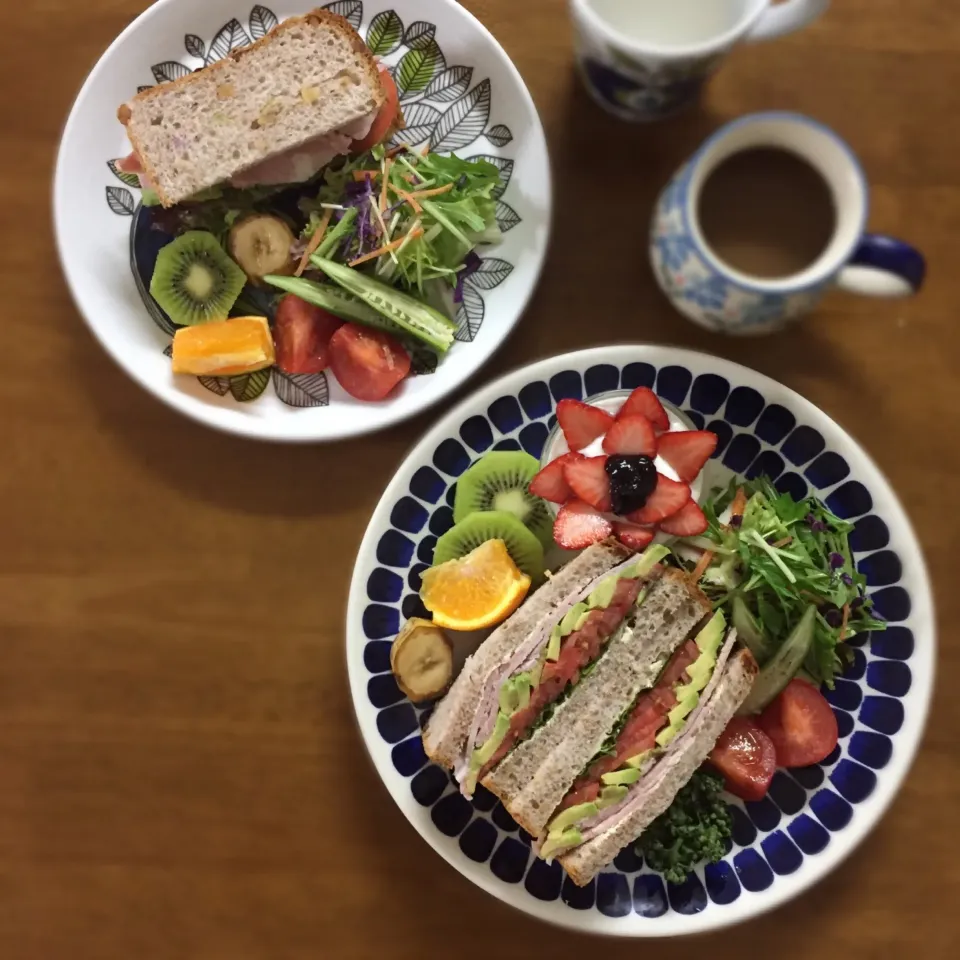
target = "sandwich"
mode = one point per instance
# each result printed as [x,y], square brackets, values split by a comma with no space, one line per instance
[592,705]
[272,113]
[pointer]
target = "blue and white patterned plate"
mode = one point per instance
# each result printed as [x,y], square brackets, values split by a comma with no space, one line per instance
[459,92]
[812,817]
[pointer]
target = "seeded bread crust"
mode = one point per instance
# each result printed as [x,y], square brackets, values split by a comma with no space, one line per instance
[533,778]
[446,732]
[583,863]
[258,101]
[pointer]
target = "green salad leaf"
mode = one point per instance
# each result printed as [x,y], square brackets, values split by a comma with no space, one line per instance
[782,556]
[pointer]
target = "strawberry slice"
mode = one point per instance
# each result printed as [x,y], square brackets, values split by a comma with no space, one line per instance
[667,498]
[550,483]
[687,451]
[581,423]
[644,401]
[588,480]
[686,522]
[633,535]
[631,435]
[578,525]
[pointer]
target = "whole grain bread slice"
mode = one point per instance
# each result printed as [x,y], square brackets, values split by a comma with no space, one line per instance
[446,731]
[308,77]
[583,863]
[533,778]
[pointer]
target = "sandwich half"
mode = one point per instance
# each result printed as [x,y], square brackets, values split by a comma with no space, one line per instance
[534,778]
[275,112]
[600,614]
[652,751]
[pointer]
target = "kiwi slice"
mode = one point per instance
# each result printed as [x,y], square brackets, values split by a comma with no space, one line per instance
[194,280]
[500,480]
[524,548]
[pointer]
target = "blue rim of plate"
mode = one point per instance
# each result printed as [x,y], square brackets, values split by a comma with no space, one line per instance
[813,818]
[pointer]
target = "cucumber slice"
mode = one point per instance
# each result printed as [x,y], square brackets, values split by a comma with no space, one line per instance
[783,665]
[335,300]
[748,630]
[416,318]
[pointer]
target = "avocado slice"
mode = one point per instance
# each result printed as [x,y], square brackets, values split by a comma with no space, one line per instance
[515,692]
[482,754]
[562,841]
[623,777]
[647,560]
[708,642]
[610,795]
[708,639]
[603,593]
[638,761]
[570,816]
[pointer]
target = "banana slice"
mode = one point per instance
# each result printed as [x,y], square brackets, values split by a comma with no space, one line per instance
[421,659]
[261,244]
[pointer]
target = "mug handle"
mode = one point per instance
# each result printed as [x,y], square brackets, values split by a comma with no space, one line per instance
[786,17]
[883,266]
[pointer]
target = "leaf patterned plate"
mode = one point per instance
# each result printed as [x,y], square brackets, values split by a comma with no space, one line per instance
[459,92]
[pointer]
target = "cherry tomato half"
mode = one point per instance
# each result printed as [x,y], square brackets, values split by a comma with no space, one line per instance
[301,334]
[801,724]
[745,756]
[368,363]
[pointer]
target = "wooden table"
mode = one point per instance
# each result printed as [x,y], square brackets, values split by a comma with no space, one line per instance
[180,776]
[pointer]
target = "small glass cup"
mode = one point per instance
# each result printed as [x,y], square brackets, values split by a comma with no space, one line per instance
[611,401]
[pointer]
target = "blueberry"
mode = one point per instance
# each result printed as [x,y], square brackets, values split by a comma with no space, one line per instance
[632,480]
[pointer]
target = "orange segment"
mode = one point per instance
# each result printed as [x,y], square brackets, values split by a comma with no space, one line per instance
[476,591]
[223,347]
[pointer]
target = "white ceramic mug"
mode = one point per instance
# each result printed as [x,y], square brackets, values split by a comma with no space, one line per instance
[646,59]
[709,291]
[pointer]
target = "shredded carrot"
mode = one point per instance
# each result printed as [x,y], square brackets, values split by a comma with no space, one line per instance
[383,187]
[843,623]
[314,242]
[390,154]
[409,197]
[426,150]
[386,248]
[701,568]
[433,192]
[783,542]
[361,175]
[739,503]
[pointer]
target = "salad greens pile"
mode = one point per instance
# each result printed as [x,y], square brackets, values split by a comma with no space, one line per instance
[778,560]
[695,828]
[419,215]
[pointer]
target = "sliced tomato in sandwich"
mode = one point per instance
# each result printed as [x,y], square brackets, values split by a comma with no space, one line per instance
[385,118]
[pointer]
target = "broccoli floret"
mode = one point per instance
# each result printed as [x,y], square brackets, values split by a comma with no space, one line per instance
[694,828]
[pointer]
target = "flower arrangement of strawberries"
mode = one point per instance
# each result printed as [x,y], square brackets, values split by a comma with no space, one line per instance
[621,493]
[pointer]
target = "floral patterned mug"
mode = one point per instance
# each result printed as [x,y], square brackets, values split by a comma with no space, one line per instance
[646,59]
[715,295]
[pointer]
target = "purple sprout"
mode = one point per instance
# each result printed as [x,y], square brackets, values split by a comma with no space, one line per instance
[471,264]
[736,522]
[836,560]
[817,526]
[856,603]
[834,617]
[847,579]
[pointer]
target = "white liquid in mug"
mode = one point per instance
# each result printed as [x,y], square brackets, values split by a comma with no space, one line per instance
[671,22]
